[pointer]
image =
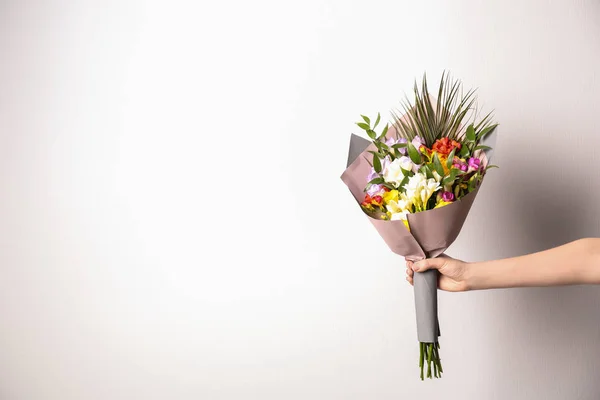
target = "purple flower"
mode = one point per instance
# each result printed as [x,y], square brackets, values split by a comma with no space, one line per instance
[372,175]
[391,141]
[447,197]
[384,163]
[375,189]
[459,164]
[418,142]
[474,163]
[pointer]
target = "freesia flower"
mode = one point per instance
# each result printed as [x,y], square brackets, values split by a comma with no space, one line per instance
[375,190]
[460,164]
[447,197]
[394,171]
[372,175]
[474,164]
[442,204]
[392,141]
[398,210]
[430,187]
[405,163]
[398,205]
[399,216]
[392,195]
[414,183]
[445,145]
[367,202]
[418,141]
[419,189]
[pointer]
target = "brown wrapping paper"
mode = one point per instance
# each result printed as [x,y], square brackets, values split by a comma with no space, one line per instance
[431,233]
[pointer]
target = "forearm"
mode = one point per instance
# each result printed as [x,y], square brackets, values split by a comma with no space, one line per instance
[571,264]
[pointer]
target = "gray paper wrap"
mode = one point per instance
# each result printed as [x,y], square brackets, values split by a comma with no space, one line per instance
[428,327]
[431,233]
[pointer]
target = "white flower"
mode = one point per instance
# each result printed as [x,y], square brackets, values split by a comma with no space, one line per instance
[399,209]
[414,184]
[397,206]
[419,189]
[401,216]
[405,163]
[430,187]
[393,172]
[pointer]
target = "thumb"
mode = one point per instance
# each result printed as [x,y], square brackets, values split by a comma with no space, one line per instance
[430,263]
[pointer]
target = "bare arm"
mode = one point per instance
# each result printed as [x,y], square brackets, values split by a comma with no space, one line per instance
[574,263]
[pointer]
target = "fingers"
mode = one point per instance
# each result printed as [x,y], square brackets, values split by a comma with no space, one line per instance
[430,263]
[409,272]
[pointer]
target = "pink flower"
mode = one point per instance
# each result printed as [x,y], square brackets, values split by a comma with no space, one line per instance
[460,164]
[448,197]
[474,164]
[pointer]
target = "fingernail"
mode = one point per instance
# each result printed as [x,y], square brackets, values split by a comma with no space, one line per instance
[415,267]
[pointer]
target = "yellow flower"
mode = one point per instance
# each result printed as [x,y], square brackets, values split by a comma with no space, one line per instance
[392,195]
[406,223]
[442,203]
[444,161]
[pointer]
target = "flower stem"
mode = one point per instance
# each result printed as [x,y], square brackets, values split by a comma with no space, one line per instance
[421,357]
[429,353]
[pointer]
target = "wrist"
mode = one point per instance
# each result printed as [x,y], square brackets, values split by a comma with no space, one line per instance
[469,276]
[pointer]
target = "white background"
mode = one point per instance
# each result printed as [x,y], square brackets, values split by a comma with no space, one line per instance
[173,226]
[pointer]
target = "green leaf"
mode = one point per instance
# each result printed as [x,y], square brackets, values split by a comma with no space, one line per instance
[451,177]
[471,133]
[482,147]
[377,121]
[414,154]
[450,160]
[473,182]
[367,120]
[427,171]
[371,134]
[491,166]
[384,132]
[376,181]
[437,165]
[376,164]
[364,126]
[464,152]
[404,181]
[485,131]
[400,145]
[382,146]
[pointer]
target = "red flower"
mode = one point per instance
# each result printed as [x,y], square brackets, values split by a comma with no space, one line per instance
[445,146]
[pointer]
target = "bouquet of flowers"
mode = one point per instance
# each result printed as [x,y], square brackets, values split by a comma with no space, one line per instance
[416,180]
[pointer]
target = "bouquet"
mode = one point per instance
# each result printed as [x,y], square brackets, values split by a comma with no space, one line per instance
[416,180]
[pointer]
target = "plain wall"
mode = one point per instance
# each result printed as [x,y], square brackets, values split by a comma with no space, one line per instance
[173,226]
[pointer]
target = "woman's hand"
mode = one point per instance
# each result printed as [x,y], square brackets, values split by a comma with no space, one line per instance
[453,273]
[575,263]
